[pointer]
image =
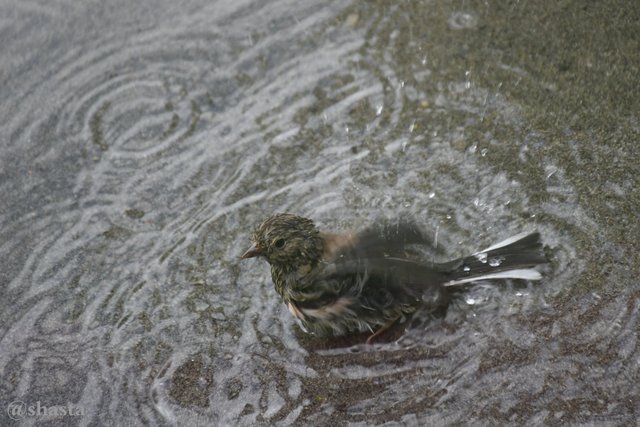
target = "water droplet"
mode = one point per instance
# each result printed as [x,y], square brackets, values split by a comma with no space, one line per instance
[470,301]
[484,152]
[379,110]
[466,268]
[462,21]
[495,262]
[482,257]
[352,19]
[432,194]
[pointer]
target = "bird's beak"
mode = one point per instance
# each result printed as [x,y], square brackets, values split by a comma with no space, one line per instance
[253,251]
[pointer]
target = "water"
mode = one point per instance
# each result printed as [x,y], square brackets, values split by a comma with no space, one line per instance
[141,143]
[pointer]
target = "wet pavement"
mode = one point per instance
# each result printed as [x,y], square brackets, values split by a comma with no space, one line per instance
[141,143]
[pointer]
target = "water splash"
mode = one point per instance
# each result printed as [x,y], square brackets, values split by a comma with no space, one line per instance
[140,153]
[495,262]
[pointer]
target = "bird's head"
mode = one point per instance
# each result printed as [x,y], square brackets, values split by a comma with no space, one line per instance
[286,241]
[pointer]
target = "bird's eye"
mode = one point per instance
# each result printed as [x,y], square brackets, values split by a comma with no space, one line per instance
[279,243]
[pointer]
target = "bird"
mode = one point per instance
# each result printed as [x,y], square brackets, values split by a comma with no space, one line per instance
[367,281]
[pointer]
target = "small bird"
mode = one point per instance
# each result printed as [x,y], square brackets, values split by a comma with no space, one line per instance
[338,284]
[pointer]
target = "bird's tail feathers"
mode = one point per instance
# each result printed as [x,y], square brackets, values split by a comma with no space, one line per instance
[512,258]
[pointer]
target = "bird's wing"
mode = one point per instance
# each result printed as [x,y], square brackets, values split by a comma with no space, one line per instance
[390,239]
[378,282]
[380,240]
[370,266]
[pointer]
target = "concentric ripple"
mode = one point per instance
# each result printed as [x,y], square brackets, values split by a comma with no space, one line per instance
[144,142]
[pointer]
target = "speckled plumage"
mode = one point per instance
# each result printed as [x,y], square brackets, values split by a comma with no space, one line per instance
[341,284]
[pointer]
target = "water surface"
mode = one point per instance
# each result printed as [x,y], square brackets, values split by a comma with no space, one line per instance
[141,143]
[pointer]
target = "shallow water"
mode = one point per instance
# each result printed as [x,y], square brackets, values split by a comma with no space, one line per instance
[141,143]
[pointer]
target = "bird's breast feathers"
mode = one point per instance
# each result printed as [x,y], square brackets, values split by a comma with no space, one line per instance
[333,310]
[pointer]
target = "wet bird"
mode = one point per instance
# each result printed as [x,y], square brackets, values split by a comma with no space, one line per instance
[338,284]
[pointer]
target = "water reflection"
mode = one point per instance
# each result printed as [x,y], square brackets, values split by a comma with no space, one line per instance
[139,153]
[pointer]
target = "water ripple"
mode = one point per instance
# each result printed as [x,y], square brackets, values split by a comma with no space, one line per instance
[146,150]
